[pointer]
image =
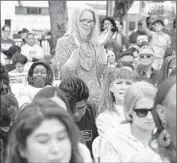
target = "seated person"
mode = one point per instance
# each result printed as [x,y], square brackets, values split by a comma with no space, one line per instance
[40,75]
[83,113]
[144,69]
[8,116]
[18,75]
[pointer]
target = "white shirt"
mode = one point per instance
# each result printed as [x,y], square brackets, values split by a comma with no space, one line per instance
[34,51]
[109,119]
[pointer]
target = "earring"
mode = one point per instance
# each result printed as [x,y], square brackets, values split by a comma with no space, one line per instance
[164,138]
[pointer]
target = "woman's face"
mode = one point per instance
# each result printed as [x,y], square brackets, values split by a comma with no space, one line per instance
[119,86]
[172,65]
[111,56]
[107,25]
[39,76]
[19,67]
[48,143]
[141,115]
[86,23]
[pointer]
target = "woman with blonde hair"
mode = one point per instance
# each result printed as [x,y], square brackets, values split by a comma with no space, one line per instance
[110,112]
[124,143]
[80,52]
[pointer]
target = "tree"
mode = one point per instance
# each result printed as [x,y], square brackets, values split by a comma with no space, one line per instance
[58,17]
[121,8]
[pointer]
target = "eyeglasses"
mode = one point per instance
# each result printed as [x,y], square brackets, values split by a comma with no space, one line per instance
[85,22]
[145,55]
[142,112]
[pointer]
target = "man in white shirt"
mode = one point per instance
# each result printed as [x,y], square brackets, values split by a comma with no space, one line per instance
[31,50]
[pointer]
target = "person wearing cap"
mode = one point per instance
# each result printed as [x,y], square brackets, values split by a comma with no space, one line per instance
[23,34]
[144,68]
[160,41]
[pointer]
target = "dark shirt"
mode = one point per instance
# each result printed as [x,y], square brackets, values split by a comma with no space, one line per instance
[88,128]
[154,78]
[6,44]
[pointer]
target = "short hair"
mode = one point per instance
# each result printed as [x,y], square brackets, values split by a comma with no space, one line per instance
[112,22]
[30,33]
[135,92]
[3,28]
[158,21]
[75,90]
[122,64]
[12,50]
[49,78]
[19,58]
[30,118]
[124,53]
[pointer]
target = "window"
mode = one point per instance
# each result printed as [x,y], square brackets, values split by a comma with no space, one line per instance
[20,10]
[33,11]
[8,22]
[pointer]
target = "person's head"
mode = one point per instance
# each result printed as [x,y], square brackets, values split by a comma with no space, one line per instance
[146,56]
[108,23]
[40,74]
[19,60]
[149,22]
[77,92]
[6,30]
[174,23]
[30,39]
[126,56]
[158,25]
[84,23]
[167,66]
[111,56]
[44,133]
[54,94]
[4,80]
[138,103]
[125,65]
[9,111]
[115,83]
[23,33]
[164,114]
[142,40]
[140,26]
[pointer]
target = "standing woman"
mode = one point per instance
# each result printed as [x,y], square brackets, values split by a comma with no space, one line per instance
[80,52]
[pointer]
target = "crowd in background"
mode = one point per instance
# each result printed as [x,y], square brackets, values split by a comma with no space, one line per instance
[102,96]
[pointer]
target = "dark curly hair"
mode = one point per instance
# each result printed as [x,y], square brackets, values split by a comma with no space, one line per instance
[114,27]
[75,89]
[49,78]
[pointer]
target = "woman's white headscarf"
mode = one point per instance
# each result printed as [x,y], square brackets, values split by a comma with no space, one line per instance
[74,20]
[135,92]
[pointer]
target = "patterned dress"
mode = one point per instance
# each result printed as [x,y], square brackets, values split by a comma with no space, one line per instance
[87,67]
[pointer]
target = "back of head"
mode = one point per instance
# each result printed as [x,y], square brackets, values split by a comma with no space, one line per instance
[12,50]
[135,92]
[75,90]
[125,53]
[30,118]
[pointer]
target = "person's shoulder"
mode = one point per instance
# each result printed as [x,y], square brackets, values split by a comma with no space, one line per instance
[64,40]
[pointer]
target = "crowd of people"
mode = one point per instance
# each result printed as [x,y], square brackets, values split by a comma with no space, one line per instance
[103,97]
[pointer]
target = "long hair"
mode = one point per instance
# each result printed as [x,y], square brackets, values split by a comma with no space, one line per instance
[135,92]
[107,98]
[49,77]
[165,68]
[73,23]
[112,21]
[30,118]
[163,90]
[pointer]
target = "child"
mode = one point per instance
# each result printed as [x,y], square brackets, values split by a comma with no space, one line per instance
[111,58]
[18,75]
[110,112]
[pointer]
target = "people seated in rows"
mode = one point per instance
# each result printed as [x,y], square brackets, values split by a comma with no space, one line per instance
[114,40]
[164,113]
[40,75]
[123,143]
[18,75]
[159,41]
[44,133]
[167,66]
[32,50]
[77,92]
[144,68]
[23,33]
[111,58]
[6,42]
[110,111]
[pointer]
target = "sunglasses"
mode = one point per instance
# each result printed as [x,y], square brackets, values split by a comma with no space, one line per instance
[142,112]
[145,55]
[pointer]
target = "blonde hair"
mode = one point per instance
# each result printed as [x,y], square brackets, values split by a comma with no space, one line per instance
[135,92]
[73,22]
[107,98]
